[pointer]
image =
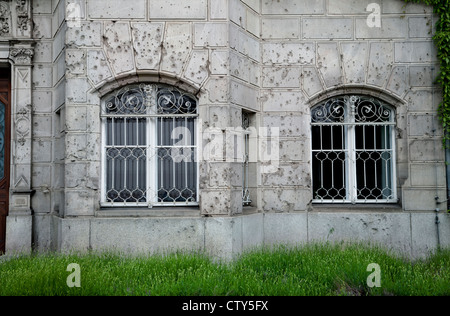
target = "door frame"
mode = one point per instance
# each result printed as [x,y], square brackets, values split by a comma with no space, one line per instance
[5,86]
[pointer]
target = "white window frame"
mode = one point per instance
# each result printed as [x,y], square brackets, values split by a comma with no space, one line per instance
[349,125]
[151,146]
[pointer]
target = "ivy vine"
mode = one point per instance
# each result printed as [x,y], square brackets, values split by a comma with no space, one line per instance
[442,40]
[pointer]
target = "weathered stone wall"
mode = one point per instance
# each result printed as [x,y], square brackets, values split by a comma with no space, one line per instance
[301,65]
[271,59]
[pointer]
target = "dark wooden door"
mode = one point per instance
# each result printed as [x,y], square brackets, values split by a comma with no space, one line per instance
[5,137]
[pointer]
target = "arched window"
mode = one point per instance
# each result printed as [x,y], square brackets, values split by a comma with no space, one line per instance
[353,151]
[149,147]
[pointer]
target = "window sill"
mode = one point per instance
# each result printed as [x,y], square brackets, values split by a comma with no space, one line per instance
[149,212]
[355,208]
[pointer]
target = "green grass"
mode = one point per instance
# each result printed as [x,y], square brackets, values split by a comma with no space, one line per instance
[317,270]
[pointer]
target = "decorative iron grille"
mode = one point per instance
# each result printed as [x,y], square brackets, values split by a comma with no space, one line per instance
[353,156]
[149,147]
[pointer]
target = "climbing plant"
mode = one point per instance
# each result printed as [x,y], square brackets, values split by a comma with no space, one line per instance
[442,40]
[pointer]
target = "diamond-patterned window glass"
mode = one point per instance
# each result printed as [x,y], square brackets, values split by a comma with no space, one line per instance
[353,151]
[150,150]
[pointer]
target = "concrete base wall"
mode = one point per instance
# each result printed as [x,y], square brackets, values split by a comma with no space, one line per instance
[410,234]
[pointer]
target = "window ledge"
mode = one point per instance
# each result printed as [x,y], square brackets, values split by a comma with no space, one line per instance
[355,208]
[149,212]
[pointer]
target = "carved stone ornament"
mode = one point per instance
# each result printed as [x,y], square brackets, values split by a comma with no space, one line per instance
[22,15]
[22,124]
[5,16]
[22,56]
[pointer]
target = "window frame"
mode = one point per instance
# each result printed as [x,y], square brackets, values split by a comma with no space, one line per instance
[350,175]
[151,160]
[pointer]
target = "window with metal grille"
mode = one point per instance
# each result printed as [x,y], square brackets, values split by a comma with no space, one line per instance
[149,147]
[353,154]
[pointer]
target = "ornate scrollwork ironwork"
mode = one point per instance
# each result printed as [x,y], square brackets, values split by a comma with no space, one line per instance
[354,108]
[151,99]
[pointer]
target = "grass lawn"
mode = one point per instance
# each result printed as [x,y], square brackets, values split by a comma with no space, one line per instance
[318,270]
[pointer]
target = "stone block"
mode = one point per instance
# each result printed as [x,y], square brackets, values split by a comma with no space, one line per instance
[385,229]
[409,8]
[237,12]
[292,174]
[223,237]
[43,52]
[381,59]
[80,202]
[147,235]
[177,45]
[285,200]
[74,235]
[354,56]
[42,151]
[76,90]
[89,34]
[221,202]
[427,174]
[97,66]
[281,77]
[288,53]
[424,232]
[147,39]
[118,47]
[218,9]
[116,9]
[43,76]
[282,28]
[289,125]
[252,232]
[421,199]
[415,52]
[327,28]
[398,81]
[219,63]
[197,67]
[42,7]
[77,118]
[422,125]
[328,63]
[286,229]
[210,34]
[420,27]
[290,101]
[218,89]
[75,61]
[174,9]
[295,150]
[421,100]
[244,95]
[42,126]
[42,101]
[253,23]
[293,7]
[391,28]
[422,76]
[348,7]
[426,150]
[18,233]
[311,81]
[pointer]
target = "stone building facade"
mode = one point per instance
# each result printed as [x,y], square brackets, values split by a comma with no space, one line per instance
[222,125]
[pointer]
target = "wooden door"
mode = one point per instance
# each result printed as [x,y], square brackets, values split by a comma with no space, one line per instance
[5,131]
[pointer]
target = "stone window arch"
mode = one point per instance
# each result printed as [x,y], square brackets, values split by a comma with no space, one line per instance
[149,147]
